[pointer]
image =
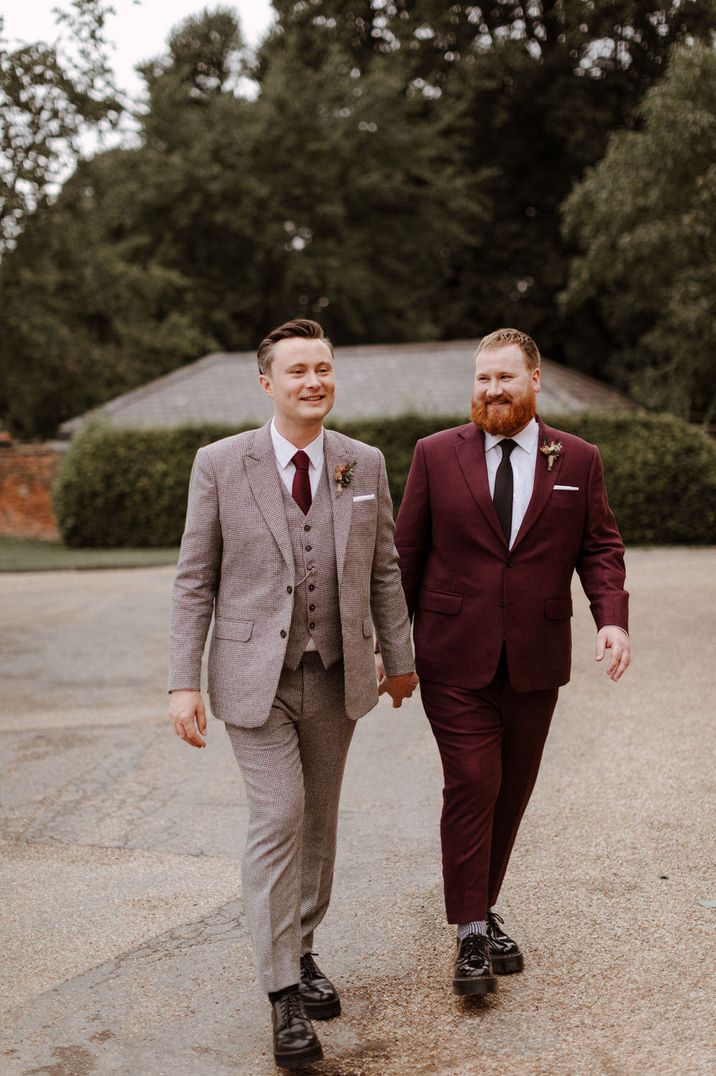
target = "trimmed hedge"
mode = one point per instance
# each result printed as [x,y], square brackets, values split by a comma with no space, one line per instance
[128,487]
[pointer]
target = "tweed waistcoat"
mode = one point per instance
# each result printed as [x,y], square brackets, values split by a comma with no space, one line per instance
[316,611]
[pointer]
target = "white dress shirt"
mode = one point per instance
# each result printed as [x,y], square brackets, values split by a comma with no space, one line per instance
[524,462]
[285,451]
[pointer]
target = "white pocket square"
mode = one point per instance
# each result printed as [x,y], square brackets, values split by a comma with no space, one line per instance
[566,487]
[365,497]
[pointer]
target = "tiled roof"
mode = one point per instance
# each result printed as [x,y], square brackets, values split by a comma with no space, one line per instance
[371,382]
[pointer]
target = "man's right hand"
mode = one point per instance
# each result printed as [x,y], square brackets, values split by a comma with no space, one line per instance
[188,714]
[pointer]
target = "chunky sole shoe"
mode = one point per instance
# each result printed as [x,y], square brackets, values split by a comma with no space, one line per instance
[295,1043]
[320,998]
[505,955]
[507,965]
[322,1010]
[295,1058]
[470,987]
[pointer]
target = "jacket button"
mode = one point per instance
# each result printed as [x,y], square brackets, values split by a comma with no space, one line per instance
[311,624]
[307,526]
[508,563]
[311,586]
[309,548]
[311,608]
[502,603]
[283,634]
[289,590]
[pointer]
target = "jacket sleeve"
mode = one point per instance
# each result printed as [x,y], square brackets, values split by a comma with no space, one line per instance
[387,601]
[197,577]
[413,528]
[601,560]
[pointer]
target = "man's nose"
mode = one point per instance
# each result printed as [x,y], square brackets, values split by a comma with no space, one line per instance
[494,388]
[312,379]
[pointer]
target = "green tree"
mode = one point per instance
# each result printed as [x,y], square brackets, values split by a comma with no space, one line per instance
[645,221]
[50,95]
[367,205]
[542,84]
[94,301]
[83,318]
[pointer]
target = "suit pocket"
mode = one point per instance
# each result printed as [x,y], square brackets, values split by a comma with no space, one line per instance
[434,601]
[238,631]
[367,627]
[558,608]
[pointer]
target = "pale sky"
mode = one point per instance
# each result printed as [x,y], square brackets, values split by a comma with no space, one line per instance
[137,30]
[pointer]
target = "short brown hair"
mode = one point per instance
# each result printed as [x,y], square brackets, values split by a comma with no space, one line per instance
[502,337]
[303,328]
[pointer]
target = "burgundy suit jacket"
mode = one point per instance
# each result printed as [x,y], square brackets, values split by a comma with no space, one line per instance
[468,593]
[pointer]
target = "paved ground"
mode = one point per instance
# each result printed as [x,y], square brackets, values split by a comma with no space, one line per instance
[125,947]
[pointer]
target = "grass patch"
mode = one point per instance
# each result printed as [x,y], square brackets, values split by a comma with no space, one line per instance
[26,555]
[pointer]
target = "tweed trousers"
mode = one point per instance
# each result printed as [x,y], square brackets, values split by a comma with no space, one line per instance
[292,767]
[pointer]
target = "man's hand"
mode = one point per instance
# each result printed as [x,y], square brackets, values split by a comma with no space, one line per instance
[187,711]
[398,687]
[615,639]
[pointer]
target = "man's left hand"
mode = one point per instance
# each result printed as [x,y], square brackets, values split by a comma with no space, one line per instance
[615,639]
[398,687]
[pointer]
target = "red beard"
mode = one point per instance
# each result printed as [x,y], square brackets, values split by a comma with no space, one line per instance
[504,421]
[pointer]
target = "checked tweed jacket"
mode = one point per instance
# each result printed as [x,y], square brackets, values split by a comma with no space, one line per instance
[237,564]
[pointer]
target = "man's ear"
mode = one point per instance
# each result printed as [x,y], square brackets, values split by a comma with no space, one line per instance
[265,383]
[536,379]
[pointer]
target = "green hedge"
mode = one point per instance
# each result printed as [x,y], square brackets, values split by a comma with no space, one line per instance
[128,487]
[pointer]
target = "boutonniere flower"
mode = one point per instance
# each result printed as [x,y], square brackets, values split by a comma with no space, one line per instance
[344,475]
[552,450]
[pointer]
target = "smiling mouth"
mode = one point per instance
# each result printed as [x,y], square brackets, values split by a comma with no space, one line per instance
[312,399]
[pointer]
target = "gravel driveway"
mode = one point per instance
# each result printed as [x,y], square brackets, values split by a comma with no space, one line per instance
[125,947]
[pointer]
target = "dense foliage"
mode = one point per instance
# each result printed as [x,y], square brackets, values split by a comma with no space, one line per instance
[395,169]
[128,487]
[645,218]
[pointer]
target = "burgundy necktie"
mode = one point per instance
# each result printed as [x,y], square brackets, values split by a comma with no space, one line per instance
[301,489]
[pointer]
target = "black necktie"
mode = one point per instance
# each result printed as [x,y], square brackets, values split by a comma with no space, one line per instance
[301,488]
[504,488]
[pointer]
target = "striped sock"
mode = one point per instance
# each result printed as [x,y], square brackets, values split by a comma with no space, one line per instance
[477,926]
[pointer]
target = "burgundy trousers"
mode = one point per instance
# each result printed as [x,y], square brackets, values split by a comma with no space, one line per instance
[490,744]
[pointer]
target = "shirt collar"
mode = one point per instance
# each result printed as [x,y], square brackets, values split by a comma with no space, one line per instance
[285,451]
[526,438]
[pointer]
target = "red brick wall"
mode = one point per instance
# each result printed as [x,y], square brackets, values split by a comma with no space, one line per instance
[26,476]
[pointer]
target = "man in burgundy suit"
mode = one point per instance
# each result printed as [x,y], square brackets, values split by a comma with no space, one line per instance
[497,515]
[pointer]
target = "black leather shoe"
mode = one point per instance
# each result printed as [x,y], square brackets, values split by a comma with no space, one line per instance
[318,994]
[504,952]
[294,1040]
[473,971]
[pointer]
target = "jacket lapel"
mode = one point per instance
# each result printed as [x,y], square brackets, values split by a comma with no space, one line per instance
[265,483]
[470,451]
[341,500]
[543,483]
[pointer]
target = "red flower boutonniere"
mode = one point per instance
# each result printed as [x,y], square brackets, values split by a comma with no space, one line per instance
[344,475]
[552,450]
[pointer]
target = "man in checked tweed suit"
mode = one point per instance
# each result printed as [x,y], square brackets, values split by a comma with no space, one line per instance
[289,544]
